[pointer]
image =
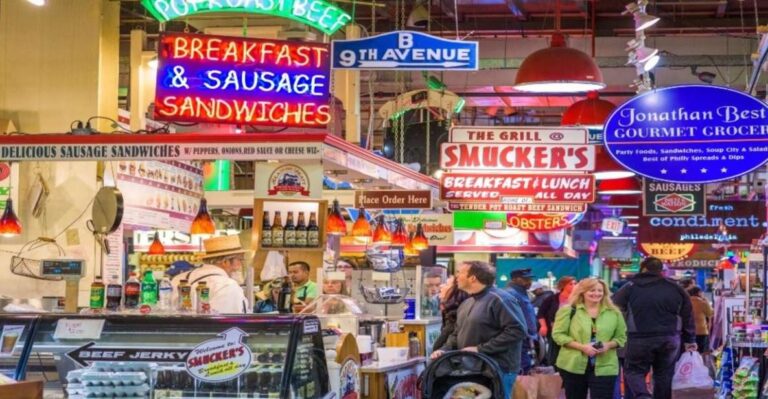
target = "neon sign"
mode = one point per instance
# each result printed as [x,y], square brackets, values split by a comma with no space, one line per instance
[318,14]
[220,79]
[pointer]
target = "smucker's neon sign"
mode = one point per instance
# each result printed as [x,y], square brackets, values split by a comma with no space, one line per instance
[222,79]
[318,14]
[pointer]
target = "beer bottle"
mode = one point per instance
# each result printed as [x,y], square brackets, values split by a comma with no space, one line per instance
[313,231]
[266,231]
[132,292]
[289,239]
[277,231]
[97,294]
[301,232]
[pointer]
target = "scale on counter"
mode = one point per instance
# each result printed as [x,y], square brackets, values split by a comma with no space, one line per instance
[71,271]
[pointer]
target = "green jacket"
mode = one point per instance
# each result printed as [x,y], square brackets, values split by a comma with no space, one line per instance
[610,327]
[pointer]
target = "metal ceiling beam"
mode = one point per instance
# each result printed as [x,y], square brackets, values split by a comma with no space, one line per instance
[667,61]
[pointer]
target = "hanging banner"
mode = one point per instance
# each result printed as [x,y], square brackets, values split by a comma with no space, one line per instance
[518,189]
[522,157]
[733,222]
[318,14]
[405,50]
[689,134]
[519,134]
[672,199]
[223,79]
[393,199]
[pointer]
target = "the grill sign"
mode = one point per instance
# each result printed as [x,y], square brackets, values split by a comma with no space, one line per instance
[517,189]
[523,157]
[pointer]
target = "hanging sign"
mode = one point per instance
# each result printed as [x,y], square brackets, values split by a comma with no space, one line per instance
[405,50]
[393,199]
[668,251]
[671,199]
[690,134]
[522,157]
[518,208]
[517,189]
[318,14]
[733,222]
[519,134]
[612,225]
[222,79]
[220,359]
[542,222]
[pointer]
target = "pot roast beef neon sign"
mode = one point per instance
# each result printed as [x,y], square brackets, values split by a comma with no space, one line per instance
[222,79]
[316,13]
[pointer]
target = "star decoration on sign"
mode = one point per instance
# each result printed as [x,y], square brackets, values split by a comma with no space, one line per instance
[683,170]
[663,171]
[724,170]
[703,170]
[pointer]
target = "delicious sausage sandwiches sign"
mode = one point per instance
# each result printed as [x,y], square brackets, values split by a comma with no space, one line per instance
[690,134]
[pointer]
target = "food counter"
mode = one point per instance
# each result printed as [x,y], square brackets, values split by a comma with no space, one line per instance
[392,380]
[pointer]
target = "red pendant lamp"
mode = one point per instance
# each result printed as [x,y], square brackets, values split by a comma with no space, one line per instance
[361,228]
[626,186]
[606,168]
[420,241]
[156,248]
[400,237]
[382,235]
[591,112]
[335,223]
[10,225]
[558,68]
[203,223]
[408,250]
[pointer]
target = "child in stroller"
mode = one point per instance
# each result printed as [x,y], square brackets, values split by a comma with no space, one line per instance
[462,375]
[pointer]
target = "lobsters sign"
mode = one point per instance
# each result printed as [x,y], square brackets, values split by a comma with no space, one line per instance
[690,134]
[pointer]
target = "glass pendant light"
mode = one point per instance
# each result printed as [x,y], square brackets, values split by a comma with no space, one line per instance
[400,237]
[10,225]
[420,241]
[361,228]
[156,248]
[203,223]
[336,224]
[382,235]
[408,250]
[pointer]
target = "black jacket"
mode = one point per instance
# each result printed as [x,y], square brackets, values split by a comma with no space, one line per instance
[655,306]
[492,321]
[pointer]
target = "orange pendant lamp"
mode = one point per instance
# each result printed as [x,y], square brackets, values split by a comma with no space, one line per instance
[400,237]
[203,223]
[420,241]
[361,228]
[408,250]
[382,235]
[10,225]
[558,68]
[335,223]
[591,112]
[156,248]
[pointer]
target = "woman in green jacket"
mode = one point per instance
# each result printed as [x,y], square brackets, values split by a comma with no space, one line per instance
[588,331]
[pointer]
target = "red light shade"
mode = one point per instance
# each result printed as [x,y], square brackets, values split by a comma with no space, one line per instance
[626,186]
[10,225]
[382,235]
[361,228]
[558,69]
[400,237]
[591,112]
[335,223]
[157,247]
[606,168]
[420,241]
[203,223]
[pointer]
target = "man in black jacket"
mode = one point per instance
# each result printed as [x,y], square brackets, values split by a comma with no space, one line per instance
[658,313]
[489,321]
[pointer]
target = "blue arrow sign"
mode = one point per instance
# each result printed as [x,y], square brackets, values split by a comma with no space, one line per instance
[405,50]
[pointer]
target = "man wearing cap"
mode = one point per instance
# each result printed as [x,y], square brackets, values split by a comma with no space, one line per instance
[540,293]
[520,281]
[224,256]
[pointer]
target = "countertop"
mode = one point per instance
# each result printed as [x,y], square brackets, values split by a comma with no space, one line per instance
[375,368]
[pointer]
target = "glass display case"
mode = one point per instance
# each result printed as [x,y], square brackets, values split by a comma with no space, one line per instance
[172,357]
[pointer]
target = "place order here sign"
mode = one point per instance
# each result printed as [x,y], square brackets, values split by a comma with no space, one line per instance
[221,79]
[518,169]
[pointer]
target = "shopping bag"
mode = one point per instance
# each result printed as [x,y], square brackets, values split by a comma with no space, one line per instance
[526,387]
[690,372]
[549,386]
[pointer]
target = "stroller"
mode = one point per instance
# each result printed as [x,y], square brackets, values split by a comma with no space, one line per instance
[460,374]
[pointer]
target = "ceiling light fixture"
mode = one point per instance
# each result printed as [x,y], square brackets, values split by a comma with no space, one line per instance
[156,248]
[203,223]
[361,228]
[643,21]
[418,18]
[558,68]
[336,223]
[38,3]
[10,225]
[606,168]
[626,186]
[591,112]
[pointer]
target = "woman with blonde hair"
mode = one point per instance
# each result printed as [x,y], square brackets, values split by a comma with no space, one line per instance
[589,329]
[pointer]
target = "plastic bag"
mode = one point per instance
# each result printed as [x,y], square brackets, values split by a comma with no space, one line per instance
[690,372]
[274,267]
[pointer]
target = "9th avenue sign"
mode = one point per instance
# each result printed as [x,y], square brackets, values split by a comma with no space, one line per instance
[394,199]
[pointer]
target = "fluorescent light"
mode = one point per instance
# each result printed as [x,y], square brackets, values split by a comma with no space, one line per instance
[644,21]
[651,63]
[38,3]
[613,174]
[560,87]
